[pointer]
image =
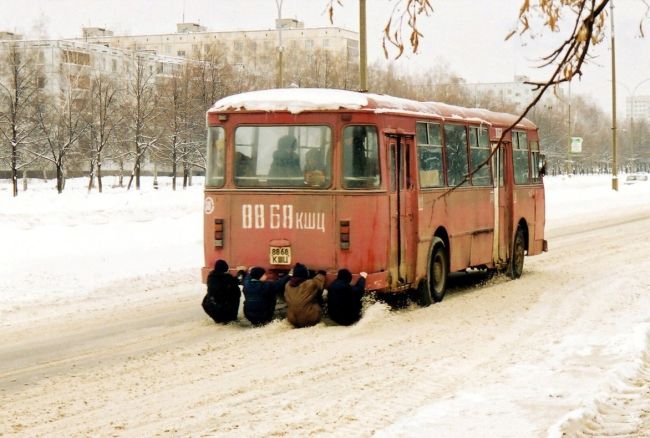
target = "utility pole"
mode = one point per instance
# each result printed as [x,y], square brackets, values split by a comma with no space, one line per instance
[614,164]
[280,79]
[363,80]
[568,153]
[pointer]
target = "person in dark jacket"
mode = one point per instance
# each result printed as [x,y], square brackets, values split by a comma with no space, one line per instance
[221,302]
[260,296]
[304,297]
[286,162]
[344,299]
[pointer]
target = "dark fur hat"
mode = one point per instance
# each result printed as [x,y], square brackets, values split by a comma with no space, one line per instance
[300,271]
[257,272]
[344,275]
[221,266]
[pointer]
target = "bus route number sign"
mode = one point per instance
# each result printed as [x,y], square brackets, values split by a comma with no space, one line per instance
[280,255]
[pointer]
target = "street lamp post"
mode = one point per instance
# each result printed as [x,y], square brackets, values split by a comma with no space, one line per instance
[614,164]
[280,79]
[363,80]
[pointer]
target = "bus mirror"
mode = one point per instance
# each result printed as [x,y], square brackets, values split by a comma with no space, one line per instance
[542,165]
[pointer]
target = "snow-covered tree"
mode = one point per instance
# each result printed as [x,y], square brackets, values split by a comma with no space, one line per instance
[19,82]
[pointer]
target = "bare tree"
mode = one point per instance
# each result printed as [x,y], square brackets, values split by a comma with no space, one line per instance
[141,110]
[61,119]
[175,104]
[103,120]
[19,78]
[210,78]
[565,61]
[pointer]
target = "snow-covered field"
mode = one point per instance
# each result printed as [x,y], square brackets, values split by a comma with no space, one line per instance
[101,332]
[79,247]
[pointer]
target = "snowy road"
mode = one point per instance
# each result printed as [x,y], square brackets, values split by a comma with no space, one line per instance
[563,349]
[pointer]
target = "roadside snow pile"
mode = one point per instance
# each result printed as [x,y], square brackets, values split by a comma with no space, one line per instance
[74,246]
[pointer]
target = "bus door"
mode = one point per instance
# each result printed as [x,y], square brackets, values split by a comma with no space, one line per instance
[502,211]
[403,205]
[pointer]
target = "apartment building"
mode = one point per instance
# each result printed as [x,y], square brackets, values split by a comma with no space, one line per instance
[638,108]
[254,51]
[517,91]
[57,60]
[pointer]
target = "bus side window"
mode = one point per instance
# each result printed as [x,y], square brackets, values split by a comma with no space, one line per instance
[429,147]
[479,151]
[215,157]
[456,147]
[360,157]
[520,157]
[535,164]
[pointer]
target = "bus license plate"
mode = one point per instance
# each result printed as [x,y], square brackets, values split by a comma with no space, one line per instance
[280,255]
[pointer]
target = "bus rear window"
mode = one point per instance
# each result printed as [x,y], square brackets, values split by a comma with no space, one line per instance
[215,157]
[360,157]
[283,156]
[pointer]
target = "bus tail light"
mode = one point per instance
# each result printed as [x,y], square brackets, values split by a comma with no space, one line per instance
[344,233]
[218,233]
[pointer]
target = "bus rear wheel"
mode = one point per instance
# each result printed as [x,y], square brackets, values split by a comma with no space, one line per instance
[432,289]
[516,265]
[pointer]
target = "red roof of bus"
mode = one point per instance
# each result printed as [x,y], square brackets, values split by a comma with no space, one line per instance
[297,100]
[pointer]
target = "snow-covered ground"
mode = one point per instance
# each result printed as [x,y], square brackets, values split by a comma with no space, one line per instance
[76,247]
[563,350]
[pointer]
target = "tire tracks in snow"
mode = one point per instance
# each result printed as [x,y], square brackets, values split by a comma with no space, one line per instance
[624,411]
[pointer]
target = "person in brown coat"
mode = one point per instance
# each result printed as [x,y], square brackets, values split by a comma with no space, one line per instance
[304,297]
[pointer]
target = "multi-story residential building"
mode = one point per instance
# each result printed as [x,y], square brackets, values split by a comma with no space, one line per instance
[516,91]
[638,108]
[57,58]
[253,51]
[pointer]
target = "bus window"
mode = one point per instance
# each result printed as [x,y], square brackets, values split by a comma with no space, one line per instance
[360,157]
[429,146]
[479,147]
[520,156]
[535,162]
[283,156]
[215,157]
[456,147]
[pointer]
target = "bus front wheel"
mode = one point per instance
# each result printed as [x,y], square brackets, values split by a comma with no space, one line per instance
[432,289]
[516,265]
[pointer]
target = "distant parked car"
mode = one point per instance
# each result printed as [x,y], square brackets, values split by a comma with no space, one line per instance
[635,177]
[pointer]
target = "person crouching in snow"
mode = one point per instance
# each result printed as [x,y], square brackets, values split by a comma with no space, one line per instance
[221,302]
[344,299]
[304,296]
[260,296]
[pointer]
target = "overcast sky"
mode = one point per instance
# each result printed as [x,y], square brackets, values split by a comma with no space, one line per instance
[466,35]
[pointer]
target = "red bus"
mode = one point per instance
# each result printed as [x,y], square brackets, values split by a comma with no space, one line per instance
[339,179]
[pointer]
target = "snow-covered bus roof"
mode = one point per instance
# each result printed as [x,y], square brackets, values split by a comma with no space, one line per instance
[297,100]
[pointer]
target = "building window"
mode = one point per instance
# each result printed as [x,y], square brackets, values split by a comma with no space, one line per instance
[180,53]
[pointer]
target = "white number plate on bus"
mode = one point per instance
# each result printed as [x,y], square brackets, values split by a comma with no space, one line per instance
[280,255]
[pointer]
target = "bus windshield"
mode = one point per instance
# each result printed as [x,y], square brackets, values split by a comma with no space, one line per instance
[283,156]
